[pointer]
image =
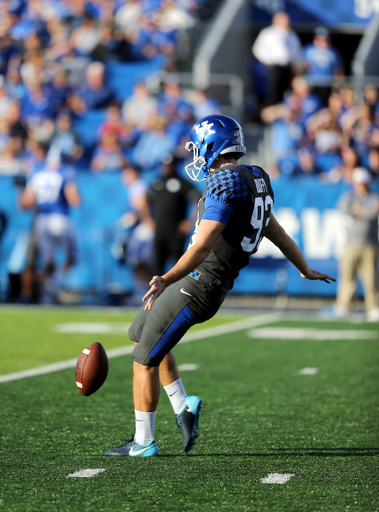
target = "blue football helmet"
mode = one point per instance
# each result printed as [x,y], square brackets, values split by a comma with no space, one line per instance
[211,137]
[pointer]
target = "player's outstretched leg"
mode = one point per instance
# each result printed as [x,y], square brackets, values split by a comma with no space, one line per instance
[188,420]
[133,449]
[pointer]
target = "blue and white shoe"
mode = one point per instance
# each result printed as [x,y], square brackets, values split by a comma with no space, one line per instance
[188,420]
[133,449]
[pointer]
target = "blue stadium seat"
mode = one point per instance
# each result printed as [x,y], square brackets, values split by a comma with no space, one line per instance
[104,200]
[327,161]
[122,76]
[87,126]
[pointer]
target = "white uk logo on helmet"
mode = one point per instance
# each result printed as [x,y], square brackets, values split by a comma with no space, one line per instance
[204,129]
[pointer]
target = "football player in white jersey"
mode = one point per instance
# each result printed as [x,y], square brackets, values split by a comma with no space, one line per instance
[51,191]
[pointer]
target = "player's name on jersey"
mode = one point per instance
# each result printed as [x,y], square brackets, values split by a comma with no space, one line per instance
[260,185]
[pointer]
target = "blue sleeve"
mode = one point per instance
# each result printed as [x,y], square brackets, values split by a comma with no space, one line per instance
[226,186]
[217,210]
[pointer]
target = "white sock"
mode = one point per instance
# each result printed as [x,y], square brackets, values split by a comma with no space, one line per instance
[144,427]
[177,395]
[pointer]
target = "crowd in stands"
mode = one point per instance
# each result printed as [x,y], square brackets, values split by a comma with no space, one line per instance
[318,125]
[56,61]
[328,141]
[74,96]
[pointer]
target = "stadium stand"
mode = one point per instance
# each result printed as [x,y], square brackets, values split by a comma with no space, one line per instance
[45,51]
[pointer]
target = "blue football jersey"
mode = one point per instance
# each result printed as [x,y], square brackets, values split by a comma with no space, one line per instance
[48,186]
[241,197]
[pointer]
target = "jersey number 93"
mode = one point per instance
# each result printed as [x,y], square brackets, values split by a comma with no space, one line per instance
[259,218]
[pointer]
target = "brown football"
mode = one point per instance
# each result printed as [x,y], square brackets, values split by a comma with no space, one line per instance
[91,369]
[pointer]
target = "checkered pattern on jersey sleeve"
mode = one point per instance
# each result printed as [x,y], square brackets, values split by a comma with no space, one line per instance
[226,186]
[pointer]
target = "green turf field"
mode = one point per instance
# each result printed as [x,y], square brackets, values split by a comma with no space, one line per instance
[261,417]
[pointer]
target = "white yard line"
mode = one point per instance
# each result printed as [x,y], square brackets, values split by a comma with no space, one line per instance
[277,478]
[306,333]
[41,370]
[308,371]
[188,367]
[240,325]
[85,473]
[91,328]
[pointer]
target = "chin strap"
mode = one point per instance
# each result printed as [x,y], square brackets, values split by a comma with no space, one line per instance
[205,167]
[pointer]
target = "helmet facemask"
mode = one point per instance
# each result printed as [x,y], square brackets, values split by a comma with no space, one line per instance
[198,164]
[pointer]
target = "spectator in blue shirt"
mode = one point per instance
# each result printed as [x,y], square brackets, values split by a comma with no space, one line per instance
[36,105]
[152,144]
[108,155]
[286,134]
[322,62]
[95,94]
[64,143]
[172,104]
[20,28]
[14,86]
[9,52]
[306,165]
[302,100]
[321,59]
[58,93]
[151,41]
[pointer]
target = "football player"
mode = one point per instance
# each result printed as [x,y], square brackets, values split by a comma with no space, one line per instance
[234,214]
[51,191]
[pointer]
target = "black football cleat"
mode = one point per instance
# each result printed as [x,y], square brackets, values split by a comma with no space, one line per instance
[188,420]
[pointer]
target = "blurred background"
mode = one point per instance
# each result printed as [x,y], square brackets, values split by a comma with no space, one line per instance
[97,99]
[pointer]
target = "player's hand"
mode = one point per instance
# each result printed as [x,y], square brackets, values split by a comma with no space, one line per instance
[158,285]
[315,275]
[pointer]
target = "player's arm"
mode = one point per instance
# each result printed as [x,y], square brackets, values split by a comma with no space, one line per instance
[72,194]
[206,235]
[28,198]
[276,234]
[145,210]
